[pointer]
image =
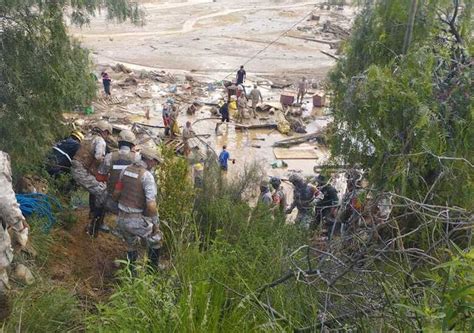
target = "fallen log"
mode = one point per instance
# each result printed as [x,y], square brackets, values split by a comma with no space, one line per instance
[147,125]
[257,126]
[329,55]
[319,135]
[315,40]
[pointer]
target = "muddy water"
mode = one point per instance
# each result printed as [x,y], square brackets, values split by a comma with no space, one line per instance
[245,146]
[212,38]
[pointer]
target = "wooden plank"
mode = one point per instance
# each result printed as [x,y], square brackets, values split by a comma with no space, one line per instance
[295,154]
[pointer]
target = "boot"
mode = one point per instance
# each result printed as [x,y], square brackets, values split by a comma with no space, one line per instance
[132,258]
[154,257]
[97,223]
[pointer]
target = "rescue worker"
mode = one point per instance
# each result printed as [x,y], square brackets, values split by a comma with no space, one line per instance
[303,200]
[326,206]
[224,112]
[10,217]
[86,163]
[166,117]
[279,196]
[198,175]
[174,126]
[188,133]
[108,172]
[351,206]
[241,75]
[265,194]
[138,220]
[302,88]
[60,159]
[241,107]
[255,96]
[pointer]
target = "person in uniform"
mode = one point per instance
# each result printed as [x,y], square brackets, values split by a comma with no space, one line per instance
[255,96]
[326,206]
[303,200]
[279,196]
[138,221]
[108,172]
[265,194]
[10,218]
[60,159]
[86,163]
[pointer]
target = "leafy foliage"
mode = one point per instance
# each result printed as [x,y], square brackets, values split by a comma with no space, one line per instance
[43,72]
[407,119]
[206,291]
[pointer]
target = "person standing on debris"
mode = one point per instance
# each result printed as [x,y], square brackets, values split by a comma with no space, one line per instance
[279,196]
[303,200]
[255,96]
[138,220]
[224,157]
[60,159]
[265,194]
[241,107]
[108,173]
[174,126]
[106,81]
[302,88]
[87,161]
[188,133]
[241,75]
[224,112]
[10,217]
[326,207]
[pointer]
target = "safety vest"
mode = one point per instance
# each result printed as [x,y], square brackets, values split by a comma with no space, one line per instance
[132,194]
[85,155]
[118,163]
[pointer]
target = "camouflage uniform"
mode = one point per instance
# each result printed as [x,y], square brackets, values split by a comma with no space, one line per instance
[85,165]
[10,216]
[112,166]
[139,188]
[303,200]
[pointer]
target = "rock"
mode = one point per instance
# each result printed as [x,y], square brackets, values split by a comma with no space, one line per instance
[189,78]
[24,275]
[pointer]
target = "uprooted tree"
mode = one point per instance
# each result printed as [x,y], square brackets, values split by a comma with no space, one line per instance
[43,71]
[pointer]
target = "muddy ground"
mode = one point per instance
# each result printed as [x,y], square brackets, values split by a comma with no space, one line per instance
[214,37]
[209,40]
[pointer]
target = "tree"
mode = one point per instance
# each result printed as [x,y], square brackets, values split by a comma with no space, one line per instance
[407,118]
[43,71]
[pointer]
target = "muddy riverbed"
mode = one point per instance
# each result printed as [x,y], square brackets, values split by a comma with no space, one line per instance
[210,40]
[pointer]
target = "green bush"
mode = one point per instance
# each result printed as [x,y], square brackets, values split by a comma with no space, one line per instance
[211,286]
[44,309]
